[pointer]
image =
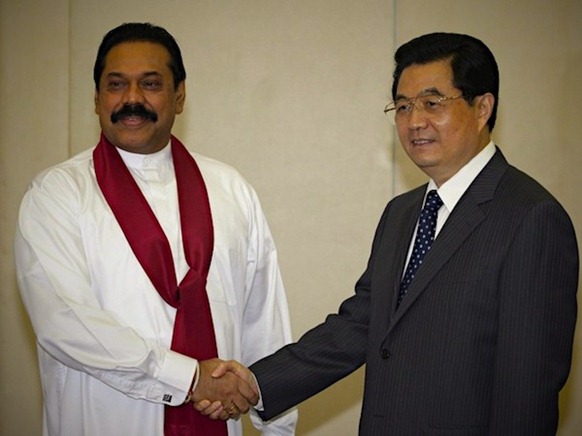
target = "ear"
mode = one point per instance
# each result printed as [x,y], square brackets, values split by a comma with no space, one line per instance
[484,107]
[180,95]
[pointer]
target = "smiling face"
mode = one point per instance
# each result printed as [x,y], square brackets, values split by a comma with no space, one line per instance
[441,145]
[137,74]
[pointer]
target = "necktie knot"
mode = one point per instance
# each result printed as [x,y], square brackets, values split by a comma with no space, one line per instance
[433,201]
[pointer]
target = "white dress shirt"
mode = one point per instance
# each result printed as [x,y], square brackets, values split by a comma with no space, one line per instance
[453,189]
[103,331]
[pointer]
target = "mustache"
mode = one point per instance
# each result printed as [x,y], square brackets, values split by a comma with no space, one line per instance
[138,110]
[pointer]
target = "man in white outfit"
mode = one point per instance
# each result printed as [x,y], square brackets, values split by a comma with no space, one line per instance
[125,250]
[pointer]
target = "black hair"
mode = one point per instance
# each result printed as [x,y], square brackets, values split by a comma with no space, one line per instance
[140,32]
[475,70]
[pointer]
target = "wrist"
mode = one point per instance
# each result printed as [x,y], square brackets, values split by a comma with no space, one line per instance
[190,395]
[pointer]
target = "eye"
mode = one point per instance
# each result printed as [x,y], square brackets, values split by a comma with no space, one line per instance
[431,103]
[403,106]
[151,84]
[115,84]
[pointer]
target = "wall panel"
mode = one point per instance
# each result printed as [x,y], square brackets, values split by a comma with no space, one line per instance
[34,80]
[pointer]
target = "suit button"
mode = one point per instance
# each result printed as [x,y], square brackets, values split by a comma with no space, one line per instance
[385,354]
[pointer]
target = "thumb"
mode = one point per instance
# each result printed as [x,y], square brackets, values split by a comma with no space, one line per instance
[232,366]
[221,369]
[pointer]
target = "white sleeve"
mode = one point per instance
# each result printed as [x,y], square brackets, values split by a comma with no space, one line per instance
[266,315]
[66,314]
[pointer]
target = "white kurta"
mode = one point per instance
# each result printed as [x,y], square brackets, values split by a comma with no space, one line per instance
[103,331]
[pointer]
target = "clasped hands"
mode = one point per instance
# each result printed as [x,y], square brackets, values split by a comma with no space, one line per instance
[225,389]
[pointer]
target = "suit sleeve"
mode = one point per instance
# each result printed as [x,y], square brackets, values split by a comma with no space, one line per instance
[537,316]
[323,355]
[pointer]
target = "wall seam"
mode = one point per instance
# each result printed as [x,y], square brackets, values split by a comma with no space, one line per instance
[70,79]
[394,135]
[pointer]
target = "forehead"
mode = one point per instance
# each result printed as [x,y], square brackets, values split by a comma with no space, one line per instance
[136,57]
[419,78]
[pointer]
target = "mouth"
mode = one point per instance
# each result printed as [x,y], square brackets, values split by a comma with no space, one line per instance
[130,120]
[421,141]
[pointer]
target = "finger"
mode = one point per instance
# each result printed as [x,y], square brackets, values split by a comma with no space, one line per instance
[202,405]
[206,408]
[235,367]
[233,411]
[243,403]
[223,416]
[242,395]
[245,374]
[248,397]
[219,413]
[249,391]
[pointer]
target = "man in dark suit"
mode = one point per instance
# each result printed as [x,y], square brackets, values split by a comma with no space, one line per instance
[477,338]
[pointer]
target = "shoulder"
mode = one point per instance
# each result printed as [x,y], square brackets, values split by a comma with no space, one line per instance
[406,200]
[223,180]
[59,192]
[402,208]
[521,202]
[519,191]
[67,175]
[214,168]
[510,182]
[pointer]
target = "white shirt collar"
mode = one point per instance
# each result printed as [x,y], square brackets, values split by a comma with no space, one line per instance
[144,161]
[453,189]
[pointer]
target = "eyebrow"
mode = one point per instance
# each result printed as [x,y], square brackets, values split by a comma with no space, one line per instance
[121,75]
[427,91]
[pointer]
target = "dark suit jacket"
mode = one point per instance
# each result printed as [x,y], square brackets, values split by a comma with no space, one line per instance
[482,342]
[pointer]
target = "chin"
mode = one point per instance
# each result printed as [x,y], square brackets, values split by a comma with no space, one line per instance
[131,146]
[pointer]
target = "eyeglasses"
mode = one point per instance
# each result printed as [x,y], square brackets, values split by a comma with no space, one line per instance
[431,104]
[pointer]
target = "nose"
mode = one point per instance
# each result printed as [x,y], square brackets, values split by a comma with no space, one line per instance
[133,94]
[416,118]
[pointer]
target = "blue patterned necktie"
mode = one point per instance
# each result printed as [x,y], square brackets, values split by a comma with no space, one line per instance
[423,240]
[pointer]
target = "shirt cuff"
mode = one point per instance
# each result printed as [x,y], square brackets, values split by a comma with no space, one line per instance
[176,375]
[259,406]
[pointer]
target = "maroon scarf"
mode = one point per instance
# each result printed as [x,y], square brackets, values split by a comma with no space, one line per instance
[193,333]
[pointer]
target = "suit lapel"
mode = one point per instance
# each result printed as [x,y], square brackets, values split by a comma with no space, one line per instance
[408,216]
[465,218]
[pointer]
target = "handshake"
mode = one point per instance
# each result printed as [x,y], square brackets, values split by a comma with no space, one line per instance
[225,389]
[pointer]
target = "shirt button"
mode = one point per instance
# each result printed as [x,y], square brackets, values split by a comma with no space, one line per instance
[385,354]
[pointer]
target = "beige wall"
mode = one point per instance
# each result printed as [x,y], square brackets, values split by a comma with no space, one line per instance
[291,93]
